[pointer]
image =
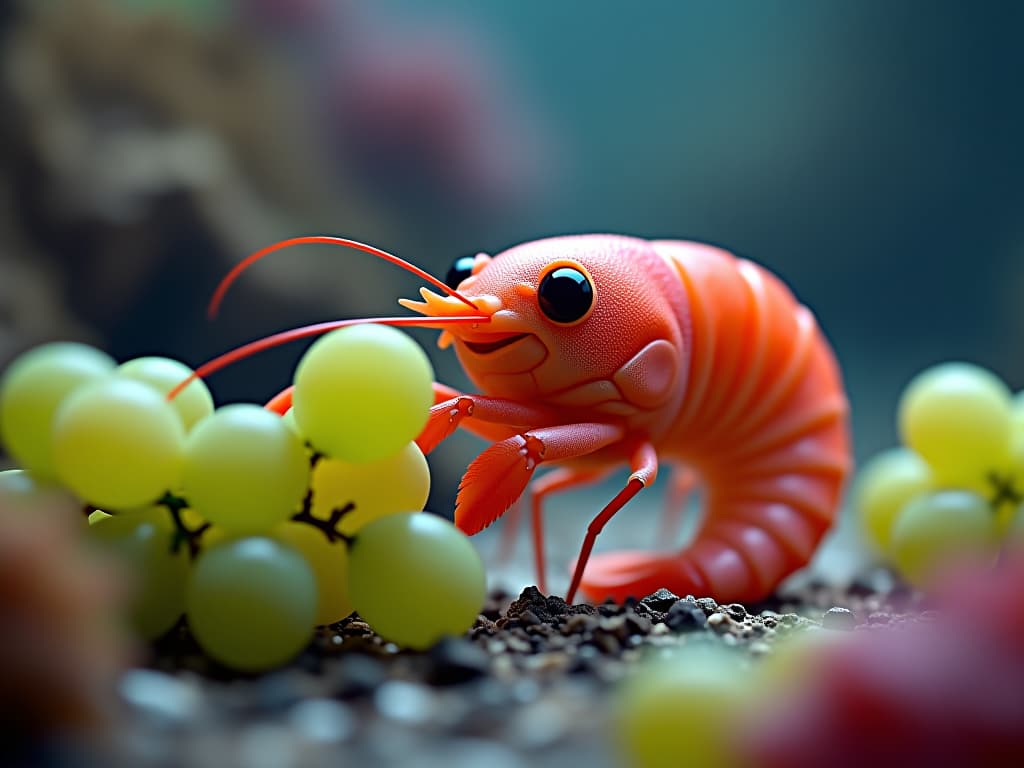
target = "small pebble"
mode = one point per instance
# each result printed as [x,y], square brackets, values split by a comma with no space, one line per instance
[456,661]
[735,611]
[661,601]
[539,726]
[719,622]
[707,605]
[358,675]
[759,648]
[322,721]
[403,702]
[267,745]
[685,617]
[839,618]
[161,696]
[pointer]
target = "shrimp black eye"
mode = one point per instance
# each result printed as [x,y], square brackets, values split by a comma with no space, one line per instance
[565,294]
[461,268]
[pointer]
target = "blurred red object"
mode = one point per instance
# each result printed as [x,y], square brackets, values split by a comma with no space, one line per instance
[945,691]
[62,646]
[421,117]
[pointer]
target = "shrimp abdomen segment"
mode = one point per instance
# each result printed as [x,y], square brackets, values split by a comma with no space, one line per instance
[764,421]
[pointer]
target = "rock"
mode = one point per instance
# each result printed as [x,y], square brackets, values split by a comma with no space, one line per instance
[660,601]
[685,617]
[454,661]
[839,618]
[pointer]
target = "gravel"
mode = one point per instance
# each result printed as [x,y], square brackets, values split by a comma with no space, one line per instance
[527,685]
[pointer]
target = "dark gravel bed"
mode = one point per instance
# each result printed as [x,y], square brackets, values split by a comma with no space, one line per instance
[528,685]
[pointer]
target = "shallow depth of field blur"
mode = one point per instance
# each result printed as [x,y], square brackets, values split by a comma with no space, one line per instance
[869,153]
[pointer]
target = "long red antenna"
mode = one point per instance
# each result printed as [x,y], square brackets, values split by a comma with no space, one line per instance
[277,339]
[243,265]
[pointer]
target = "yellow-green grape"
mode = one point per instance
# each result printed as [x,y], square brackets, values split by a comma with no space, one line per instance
[251,603]
[1013,531]
[22,490]
[1017,412]
[32,389]
[329,561]
[957,417]
[939,530]
[691,703]
[415,578]
[192,404]
[143,542]
[363,392]
[398,483]
[1014,471]
[289,419]
[884,485]
[117,443]
[245,470]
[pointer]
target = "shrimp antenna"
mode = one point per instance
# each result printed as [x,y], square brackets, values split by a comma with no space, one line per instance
[294,334]
[248,261]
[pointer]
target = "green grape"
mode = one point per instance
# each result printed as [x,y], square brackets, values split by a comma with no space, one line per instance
[244,469]
[1012,529]
[415,578]
[956,416]
[32,389]
[117,443]
[938,530]
[695,697]
[1015,468]
[143,542]
[884,485]
[251,603]
[98,515]
[289,419]
[192,404]
[398,483]
[21,490]
[1017,412]
[329,562]
[363,392]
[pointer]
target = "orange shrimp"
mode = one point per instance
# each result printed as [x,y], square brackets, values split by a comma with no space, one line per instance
[605,351]
[598,351]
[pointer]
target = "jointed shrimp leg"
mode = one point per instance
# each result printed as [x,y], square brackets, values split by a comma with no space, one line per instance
[560,479]
[644,463]
[492,418]
[501,473]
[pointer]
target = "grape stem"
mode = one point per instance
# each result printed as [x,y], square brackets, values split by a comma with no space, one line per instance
[328,527]
[1004,491]
[183,535]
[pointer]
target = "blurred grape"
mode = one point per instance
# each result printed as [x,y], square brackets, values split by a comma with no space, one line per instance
[883,487]
[956,416]
[939,531]
[693,697]
[943,691]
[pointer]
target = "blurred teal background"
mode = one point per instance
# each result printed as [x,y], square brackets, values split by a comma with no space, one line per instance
[869,153]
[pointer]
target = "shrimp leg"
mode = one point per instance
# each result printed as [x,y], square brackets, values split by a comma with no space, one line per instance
[560,479]
[644,465]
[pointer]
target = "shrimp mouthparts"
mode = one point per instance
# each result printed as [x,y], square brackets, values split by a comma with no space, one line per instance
[487,347]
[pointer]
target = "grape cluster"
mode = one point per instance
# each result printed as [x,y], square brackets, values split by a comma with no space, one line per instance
[256,527]
[955,489]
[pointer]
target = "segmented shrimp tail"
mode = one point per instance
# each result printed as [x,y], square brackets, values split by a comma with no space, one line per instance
[773,466]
